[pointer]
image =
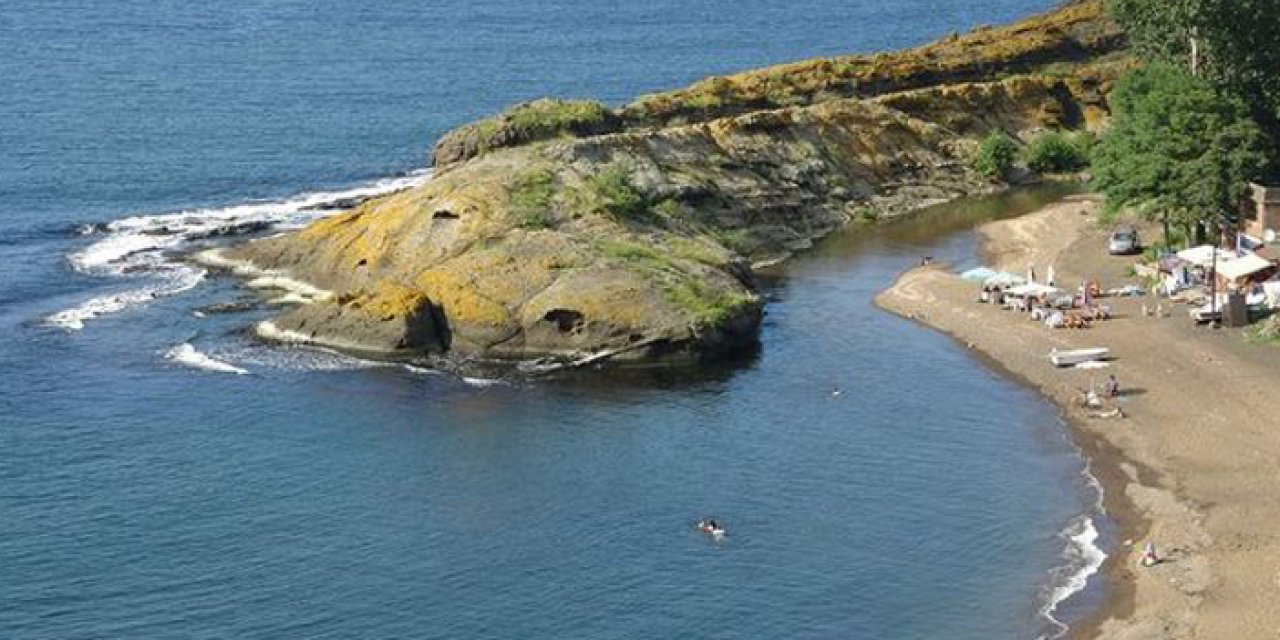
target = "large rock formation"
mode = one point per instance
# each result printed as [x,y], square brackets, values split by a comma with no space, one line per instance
[565,228]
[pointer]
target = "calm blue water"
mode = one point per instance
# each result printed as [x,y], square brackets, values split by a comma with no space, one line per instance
[321,497]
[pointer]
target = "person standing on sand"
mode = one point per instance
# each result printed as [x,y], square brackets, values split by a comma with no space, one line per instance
[1111,388]
[1149,557]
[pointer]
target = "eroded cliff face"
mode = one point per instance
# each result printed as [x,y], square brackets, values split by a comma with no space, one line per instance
[567,229]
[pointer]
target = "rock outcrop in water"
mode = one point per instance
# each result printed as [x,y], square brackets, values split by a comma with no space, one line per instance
[564,229]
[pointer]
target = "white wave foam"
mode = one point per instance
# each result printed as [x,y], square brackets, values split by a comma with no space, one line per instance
[291,298]
[217,258]
[303,290]
[188,355]
[73,319]
[139,244]
[482,382]
[268,330]
[1082,554]
[135,234]
[301,358]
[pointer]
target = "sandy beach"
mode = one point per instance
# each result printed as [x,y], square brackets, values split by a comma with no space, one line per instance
[1193,464]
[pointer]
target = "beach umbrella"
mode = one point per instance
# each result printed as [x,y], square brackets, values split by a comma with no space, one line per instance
[1031,273]
[1048,277]
[979,274]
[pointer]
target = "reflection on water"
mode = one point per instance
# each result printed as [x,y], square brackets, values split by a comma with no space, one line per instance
[929,225]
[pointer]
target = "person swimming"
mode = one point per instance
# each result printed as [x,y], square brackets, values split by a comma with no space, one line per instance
[711,527]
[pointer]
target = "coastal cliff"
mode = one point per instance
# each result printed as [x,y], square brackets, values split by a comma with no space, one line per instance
[567,229]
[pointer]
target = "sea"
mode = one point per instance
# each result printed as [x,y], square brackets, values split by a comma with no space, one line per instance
[163,474]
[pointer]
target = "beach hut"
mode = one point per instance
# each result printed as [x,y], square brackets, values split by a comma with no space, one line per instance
[1244,269]
[1205,255]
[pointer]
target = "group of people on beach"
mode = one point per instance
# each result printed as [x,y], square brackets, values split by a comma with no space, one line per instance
[1069,312]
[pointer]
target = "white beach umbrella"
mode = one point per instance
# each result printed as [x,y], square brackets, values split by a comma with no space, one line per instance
[1048,276]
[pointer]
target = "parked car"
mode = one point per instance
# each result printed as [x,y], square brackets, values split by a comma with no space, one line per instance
[1124,241]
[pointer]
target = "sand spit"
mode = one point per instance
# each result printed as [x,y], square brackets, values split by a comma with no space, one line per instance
[1194,464]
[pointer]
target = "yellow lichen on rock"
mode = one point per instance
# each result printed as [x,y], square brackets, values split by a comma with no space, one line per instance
[605,229]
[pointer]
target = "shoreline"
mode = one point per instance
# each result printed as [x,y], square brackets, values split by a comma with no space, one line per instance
[1171,470]
[1103,462]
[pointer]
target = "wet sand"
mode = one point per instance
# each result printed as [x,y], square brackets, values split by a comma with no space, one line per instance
[1195,463]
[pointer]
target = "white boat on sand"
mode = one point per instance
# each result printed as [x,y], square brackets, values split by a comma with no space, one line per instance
[1073,357]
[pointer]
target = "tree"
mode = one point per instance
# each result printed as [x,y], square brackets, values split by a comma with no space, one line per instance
[995,155]
[1055,152]
[1177,149]
[1235,44]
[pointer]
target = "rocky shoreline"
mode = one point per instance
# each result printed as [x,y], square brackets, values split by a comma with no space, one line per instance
[566,231]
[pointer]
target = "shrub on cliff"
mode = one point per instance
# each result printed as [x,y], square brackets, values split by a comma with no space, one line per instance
[543,119]
[708,304]
[995,156]
[546,118]
[531,196]
[614,195]
[1055,152]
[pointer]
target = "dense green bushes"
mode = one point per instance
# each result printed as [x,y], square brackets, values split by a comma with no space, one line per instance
[1051,152]
[1055,152]
[995,155]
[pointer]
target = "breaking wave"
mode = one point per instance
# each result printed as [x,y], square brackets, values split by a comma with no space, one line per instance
[1083,557]
[188,355]
[143,246]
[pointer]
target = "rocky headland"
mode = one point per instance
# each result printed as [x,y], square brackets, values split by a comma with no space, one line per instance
[569,231]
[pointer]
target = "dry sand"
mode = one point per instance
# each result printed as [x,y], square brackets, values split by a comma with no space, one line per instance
[1195,465]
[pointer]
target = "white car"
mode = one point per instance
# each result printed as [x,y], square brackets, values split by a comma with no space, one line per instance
[1123,242]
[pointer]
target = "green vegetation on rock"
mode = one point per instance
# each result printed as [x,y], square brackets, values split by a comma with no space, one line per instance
[709,305]
[698,251]
[531,196]
[652,224]
[995,155]
[545,118]
[526,123]
[633,252]
[613,194]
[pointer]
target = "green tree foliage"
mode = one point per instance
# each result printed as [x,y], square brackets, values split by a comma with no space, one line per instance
[995,156]
[1237,45]
[1054,152]
[1177,149]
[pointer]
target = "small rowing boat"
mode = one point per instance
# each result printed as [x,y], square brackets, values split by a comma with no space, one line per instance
[1073,357]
